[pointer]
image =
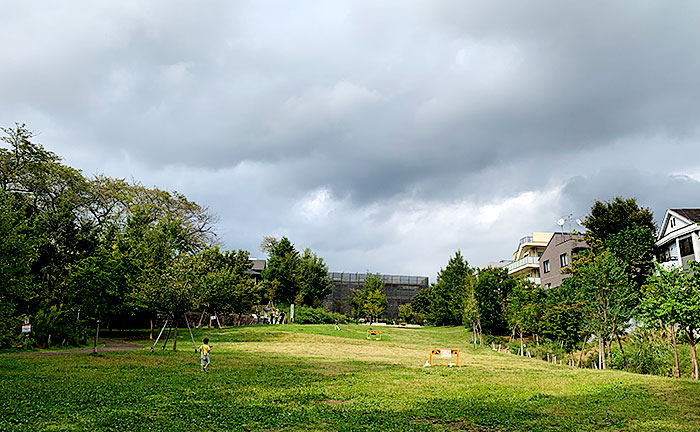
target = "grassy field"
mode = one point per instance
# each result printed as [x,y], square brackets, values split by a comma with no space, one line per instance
[314,378]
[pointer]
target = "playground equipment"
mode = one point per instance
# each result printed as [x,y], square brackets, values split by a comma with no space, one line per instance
[374,333]
[450,355]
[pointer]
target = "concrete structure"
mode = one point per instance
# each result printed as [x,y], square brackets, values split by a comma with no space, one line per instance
[557,255]
[526,259]
[398,290]
[678,240]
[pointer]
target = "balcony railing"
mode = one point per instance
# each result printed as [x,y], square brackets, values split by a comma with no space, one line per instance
[526,239]
[522,263]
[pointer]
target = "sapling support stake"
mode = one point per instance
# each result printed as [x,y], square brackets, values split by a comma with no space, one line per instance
[191,336]
[167,336]
[159,335]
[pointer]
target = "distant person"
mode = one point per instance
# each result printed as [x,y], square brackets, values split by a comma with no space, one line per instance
[337,327]
[204,355]
[254,318]
[283,315]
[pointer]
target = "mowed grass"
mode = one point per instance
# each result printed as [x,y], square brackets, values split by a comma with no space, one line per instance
[302,378]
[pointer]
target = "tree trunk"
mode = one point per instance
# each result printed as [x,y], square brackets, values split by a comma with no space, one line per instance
[580,356]
[97,335]
[676,363]
[175,338]
[150,335]
[167,337]
[619,343]
[693,354]
[522,349]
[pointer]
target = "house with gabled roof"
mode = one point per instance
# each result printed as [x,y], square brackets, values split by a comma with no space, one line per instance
[678,241]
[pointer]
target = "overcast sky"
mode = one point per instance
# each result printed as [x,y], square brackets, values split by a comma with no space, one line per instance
[383,135]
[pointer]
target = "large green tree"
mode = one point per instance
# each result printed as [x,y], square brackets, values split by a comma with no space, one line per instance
[610,299]
[524,309]
[491,290]
[227,285]
[563,319]
[450,292]
[627,230]
[18,253]
[673,297]
[370,301]
[282,272]
[314,283]
[78,235]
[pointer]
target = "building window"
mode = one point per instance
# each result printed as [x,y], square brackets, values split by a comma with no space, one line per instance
[548,285]
[673,222]
[564,260]
[546,266]
[686,246]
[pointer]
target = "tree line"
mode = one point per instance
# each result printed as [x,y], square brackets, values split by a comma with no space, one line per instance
[76,252]
[615,292]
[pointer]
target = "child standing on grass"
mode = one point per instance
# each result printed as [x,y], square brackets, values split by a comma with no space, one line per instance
[204,357]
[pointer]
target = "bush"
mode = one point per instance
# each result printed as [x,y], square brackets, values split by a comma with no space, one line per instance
[645,354]
[9,325]
[309,315]
[408,315]
[58,324]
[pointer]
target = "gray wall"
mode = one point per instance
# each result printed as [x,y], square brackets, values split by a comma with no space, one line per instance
[398,289]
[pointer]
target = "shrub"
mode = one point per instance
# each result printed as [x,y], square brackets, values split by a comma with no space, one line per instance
[646,354]
[58,324]
[407,314]
[310,315]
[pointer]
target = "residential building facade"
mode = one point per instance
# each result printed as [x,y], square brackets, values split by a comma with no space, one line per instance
[526,259]
[557,255]
[678,241]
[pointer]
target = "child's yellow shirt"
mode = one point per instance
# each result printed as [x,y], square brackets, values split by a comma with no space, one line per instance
[204,349]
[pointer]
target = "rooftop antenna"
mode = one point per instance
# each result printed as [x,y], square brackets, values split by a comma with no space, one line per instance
[569,220]
[561,223]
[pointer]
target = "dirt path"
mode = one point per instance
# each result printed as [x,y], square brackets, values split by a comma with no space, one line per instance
[110,345]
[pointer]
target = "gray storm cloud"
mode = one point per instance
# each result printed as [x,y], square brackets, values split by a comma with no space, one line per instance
[333,122]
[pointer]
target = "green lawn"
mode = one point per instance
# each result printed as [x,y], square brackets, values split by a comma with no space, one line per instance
[314,378]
